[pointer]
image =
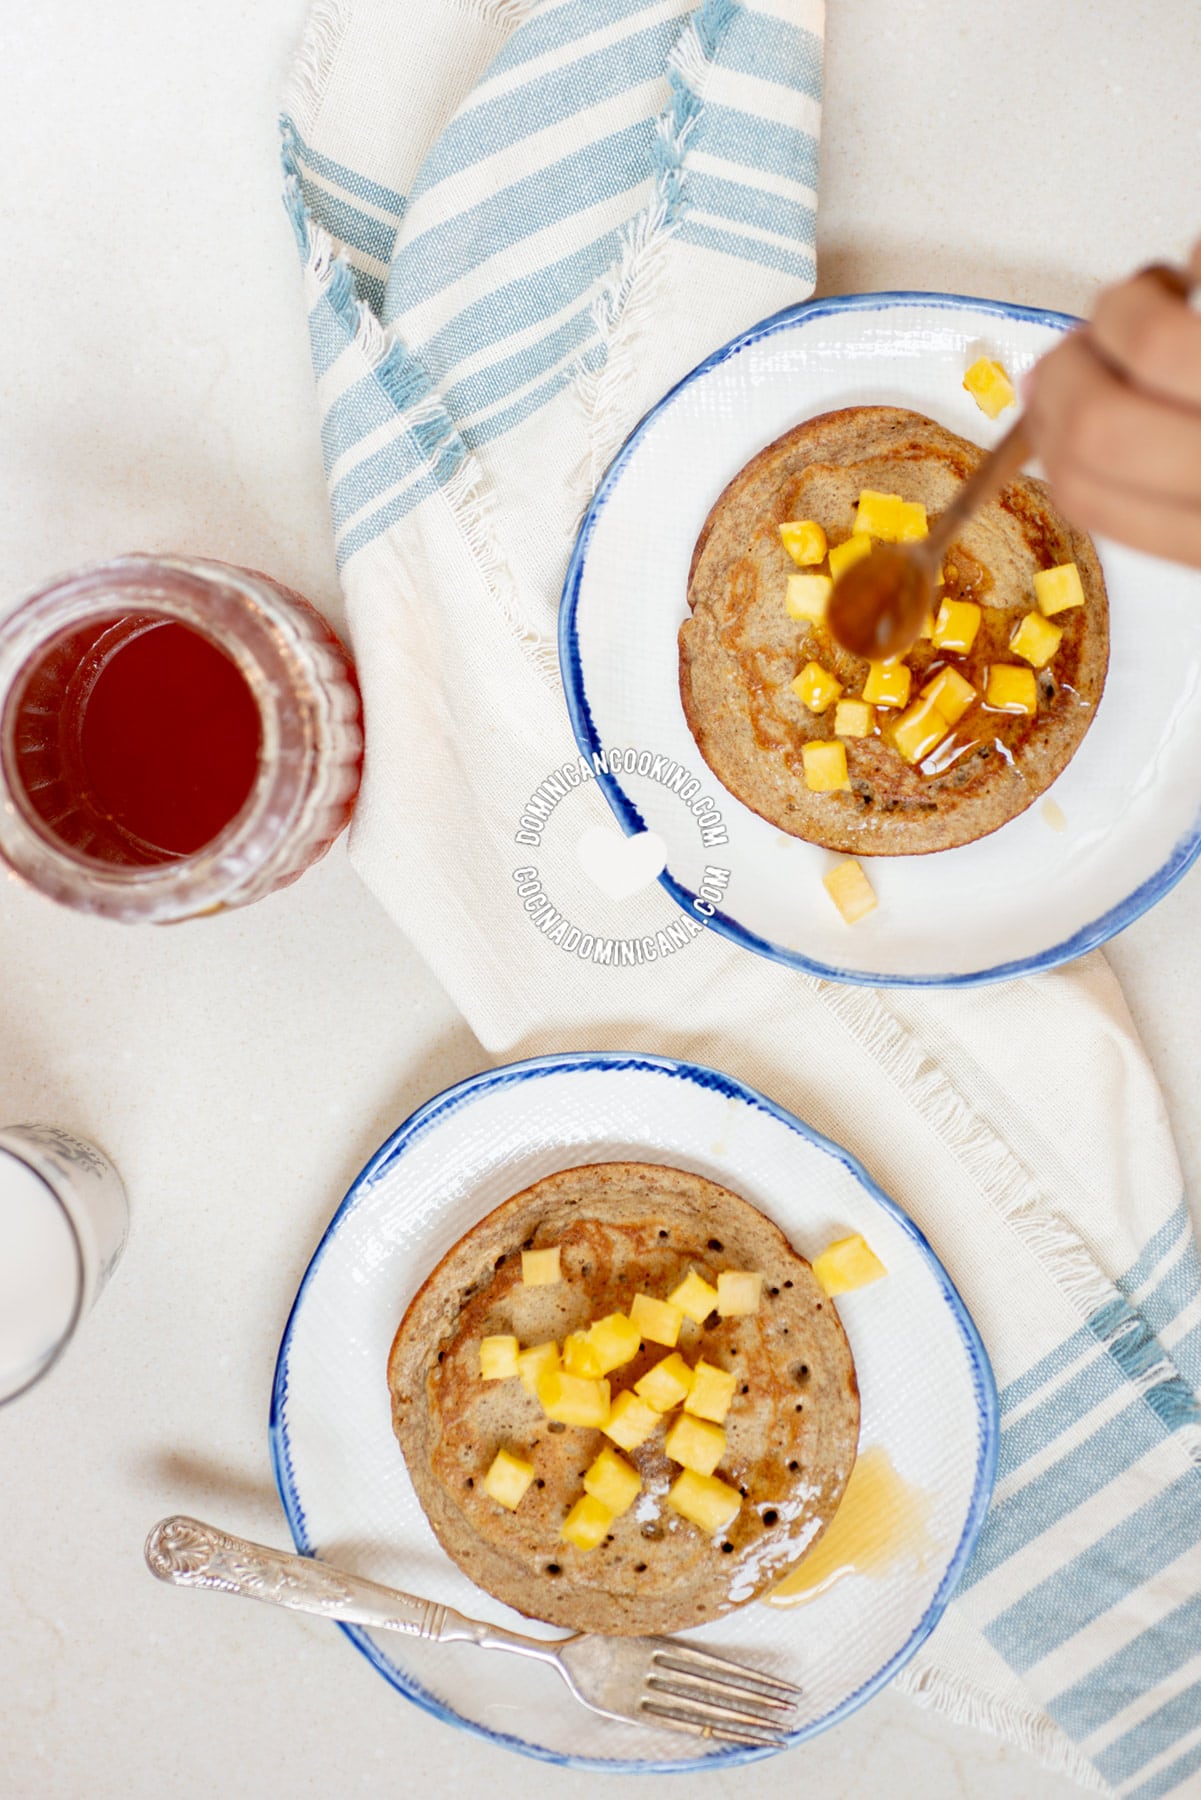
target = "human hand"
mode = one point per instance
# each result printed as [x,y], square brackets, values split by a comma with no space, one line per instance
[1115,414]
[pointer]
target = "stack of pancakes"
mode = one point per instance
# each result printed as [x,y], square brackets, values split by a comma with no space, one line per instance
[623,1228]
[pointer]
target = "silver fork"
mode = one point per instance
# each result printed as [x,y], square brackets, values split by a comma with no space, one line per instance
[649,1680]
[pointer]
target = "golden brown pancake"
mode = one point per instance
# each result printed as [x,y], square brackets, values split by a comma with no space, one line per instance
[791,1431]
[739,650]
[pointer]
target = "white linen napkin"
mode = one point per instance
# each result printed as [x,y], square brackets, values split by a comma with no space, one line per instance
[520,222]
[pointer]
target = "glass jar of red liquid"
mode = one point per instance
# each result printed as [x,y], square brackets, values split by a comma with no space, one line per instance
[176,737]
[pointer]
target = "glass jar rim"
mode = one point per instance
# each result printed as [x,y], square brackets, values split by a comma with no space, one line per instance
[234,610]
[44,1367]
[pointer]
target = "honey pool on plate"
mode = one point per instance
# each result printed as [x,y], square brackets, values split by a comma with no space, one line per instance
[882,1519]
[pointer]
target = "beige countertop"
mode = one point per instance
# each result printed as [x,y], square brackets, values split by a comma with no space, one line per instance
[154,395]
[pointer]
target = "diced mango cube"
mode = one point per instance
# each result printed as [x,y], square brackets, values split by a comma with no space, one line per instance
[666,1384]
[572,1400]
[508,1478]
[951,692]
[850,890]
[887,684]
[581,1356]
[1036,639]
[695,1443]
[849,1263]
[825,764]
[1011,689]
[613,1482]
[807,596]
[804,540]
[1057,589]
[843,555]
[956,626]
[657,1320]
[711,1392]
[854,718]
[540,1268]
[615,1339]
[695,1298]
[989,386]
[631,1421]
[911,522]
[587,1524]
[534,1362]
[919,730]
[738,1293]
[878,515]
[704,1500]
[498,1358]
[816,688]
[889,518]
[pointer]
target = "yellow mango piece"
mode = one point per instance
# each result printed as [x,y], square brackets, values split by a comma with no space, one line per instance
[498,1358]
[854,718]
[695,1443]
[804,540]
[989,386]
[694,1297]
[1057,589]
[825,765]
[879,515]
[631,1421]
[951,692]
[615,1339]
[540,1268]
[807,596]
[919,730]
[850,890]
[1036,639]
[666,1384]
[1010,689]
[613,1482]
[887,684]
[711,1392]
[956,626]
[927,630]
[738,1293]
[704,1500]
[508,1478]
[658,1321]
[581,1356]
[843,555]
[816,688]
[911,522]
[587,1524]
[848,1263]
[535,1362]
[572,1400]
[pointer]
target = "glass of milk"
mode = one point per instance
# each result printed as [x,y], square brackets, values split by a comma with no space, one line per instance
[63,1223]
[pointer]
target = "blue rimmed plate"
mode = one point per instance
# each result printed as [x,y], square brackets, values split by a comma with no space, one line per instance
[1124,819]
[342,1478]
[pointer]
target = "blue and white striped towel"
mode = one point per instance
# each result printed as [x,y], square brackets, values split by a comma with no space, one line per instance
[520,221]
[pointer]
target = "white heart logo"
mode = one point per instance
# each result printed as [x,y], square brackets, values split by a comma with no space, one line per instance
[620,866]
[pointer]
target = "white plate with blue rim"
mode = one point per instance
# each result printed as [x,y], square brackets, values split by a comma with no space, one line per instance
[1113,834]
[342,1477]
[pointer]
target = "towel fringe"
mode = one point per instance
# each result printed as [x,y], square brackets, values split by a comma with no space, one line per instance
[1006,1182]
[500,12]
[623,308]
[1029,1728]
[419,409]
[314,60]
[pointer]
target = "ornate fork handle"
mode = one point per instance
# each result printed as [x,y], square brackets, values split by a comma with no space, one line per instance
[188,1553]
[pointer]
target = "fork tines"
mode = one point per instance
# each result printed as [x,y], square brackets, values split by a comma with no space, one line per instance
[715,1697]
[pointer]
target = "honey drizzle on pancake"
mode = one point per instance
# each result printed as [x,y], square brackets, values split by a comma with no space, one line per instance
[982,729]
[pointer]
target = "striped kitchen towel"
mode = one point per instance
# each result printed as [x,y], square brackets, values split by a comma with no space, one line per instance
[520,221]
